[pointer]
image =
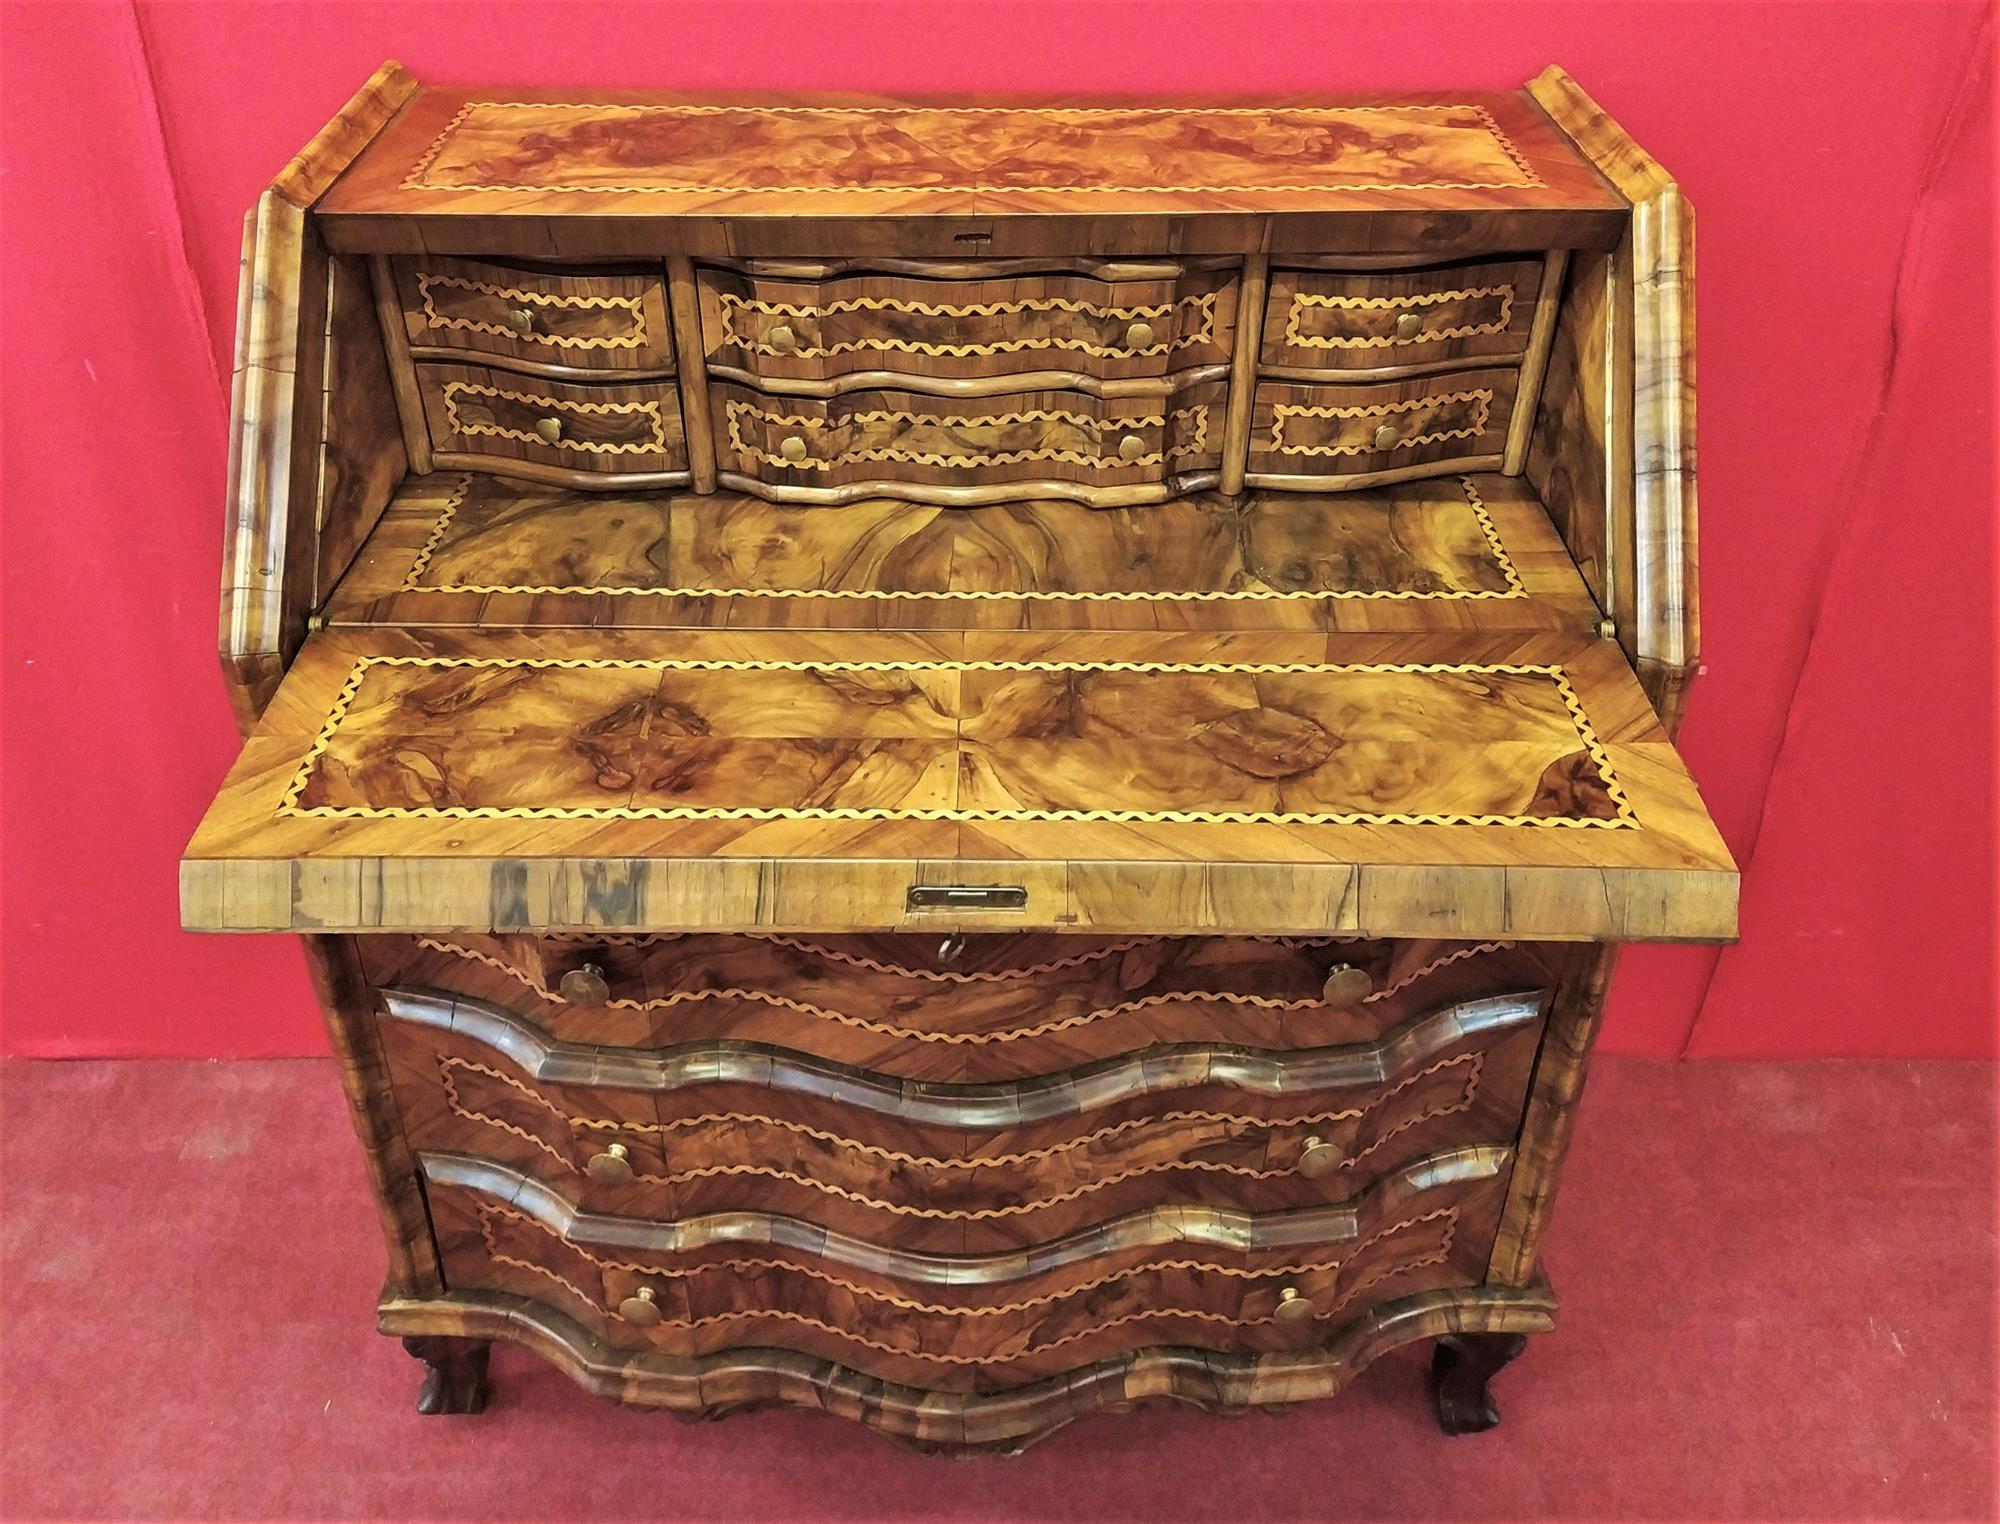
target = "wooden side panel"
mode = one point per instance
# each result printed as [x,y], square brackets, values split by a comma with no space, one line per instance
[348,1007]
[361,457]
[1570,461]
[1648,373]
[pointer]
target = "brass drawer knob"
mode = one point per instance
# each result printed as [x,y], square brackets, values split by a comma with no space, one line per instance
[1294,1310]
[1388,437]
[1408,326]
[585,985]
[642,1308]
[1131,447]
[1346,985]
[1139,335]
[521,320]
[793,448]
[549,428]
[614,1165]
[782,339]
[1317,1158]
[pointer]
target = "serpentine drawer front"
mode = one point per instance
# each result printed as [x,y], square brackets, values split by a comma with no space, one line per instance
[963,765]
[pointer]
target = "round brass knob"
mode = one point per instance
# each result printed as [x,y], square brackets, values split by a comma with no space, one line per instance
[1409,325]
[793,448]
[585,985]
[782,339]
[1388,437]
[1139,335]
[1346,985]
[549,428]
[642,1308]
[1294,1309]
[1131,447]
[1317,1158]
[521,320]
[951,949]
[614,1165]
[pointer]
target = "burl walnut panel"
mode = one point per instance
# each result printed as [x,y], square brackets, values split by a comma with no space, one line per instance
[963,764]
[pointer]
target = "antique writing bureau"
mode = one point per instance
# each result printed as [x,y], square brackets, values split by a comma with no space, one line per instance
[963,764]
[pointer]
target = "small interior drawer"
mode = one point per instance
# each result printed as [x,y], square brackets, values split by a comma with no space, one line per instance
[807,444]
[604,318]
[1338,320]
[1147,322]
[502,421]
[1453,421]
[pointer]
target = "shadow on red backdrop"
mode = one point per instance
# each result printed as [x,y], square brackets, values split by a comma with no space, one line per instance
[1840,160]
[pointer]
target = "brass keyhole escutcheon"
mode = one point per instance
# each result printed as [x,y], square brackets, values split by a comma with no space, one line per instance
[782,339]
[1408,326]
[793,448]
[1388,437]
[642,1308]
[521,320]
[585,985]
[549,428]
[1131,447]
[1139,335]
[613,1166]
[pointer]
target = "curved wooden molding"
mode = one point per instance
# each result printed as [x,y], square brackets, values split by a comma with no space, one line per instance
[742,1379]
[276,407]
[339,143]
[1071,1092]
[1223,1230]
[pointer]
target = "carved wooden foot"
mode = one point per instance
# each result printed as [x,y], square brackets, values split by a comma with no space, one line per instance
[456,1380]
[1461,1366]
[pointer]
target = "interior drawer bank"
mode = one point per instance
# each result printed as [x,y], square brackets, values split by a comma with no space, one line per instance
[589,318]
[815,327]
[539,429]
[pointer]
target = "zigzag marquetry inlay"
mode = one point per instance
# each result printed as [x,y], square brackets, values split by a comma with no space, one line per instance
[1471,1063]
[530,981]
[1282,412]
[1586,736]
[740,412]
[489,1213]
[731,304]
[526,296]
[1303,301]
[641,407]
[1074,1092]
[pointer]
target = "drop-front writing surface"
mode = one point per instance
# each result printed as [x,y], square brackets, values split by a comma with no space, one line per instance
[963,763]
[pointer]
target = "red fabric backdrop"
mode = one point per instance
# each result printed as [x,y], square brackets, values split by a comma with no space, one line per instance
[1839,157]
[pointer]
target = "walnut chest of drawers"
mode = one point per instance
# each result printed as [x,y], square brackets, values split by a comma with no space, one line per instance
[963,765]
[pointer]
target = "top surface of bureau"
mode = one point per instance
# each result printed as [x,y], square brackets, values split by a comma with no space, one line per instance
[532,171]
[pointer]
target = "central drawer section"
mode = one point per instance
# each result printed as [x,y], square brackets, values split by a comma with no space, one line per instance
[961,1161]
[958,382]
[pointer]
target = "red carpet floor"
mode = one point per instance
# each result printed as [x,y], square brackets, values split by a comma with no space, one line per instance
[1779,1303]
